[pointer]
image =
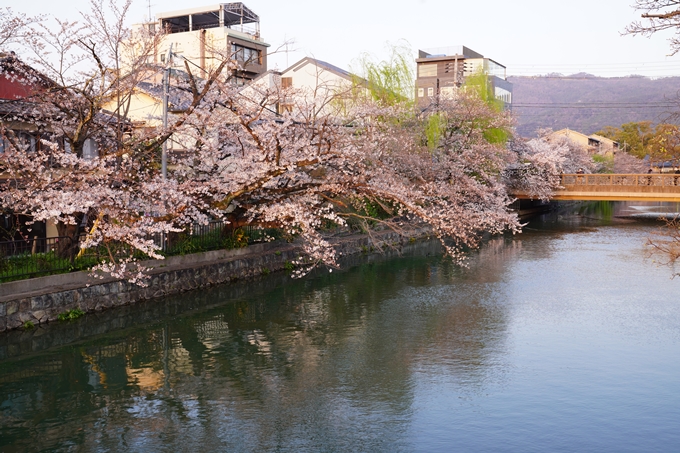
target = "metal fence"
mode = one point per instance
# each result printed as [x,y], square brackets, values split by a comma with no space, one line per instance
[33,257]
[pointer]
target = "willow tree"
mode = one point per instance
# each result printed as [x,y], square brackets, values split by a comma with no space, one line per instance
[391,80]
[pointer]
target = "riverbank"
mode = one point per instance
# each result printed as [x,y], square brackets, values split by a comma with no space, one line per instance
[41,300]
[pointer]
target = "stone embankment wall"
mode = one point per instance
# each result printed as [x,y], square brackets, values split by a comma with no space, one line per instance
[41,300]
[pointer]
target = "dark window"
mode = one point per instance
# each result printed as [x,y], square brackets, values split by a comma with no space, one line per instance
[286,82]
[245,55]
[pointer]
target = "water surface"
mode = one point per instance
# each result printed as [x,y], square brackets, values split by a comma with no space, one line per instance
[564,338]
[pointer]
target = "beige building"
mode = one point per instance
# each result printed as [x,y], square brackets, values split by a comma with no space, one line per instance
[207,35]
[594,143]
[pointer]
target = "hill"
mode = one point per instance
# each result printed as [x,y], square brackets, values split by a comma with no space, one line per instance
[585,103]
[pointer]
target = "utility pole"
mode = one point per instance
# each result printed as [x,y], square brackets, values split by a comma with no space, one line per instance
[166,95]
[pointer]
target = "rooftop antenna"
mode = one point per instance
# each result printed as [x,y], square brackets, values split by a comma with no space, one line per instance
[285,37]
[148,5]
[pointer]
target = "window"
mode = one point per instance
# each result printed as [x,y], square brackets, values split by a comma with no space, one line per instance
[237,81]
[244,54]
[447,92]
[26,141]
[286,82]
[421,92]
[427,70]
[89,149]
[430,91]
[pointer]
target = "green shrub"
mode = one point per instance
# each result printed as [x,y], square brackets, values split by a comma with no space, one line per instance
[70,315]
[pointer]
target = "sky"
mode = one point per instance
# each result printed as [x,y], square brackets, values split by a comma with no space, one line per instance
[529,37]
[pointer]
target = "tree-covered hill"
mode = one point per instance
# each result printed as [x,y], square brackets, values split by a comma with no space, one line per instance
[586,103]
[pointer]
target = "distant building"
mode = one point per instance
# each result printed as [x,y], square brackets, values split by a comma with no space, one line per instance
[442,71]
[312,78]
[594,143]
[206,35]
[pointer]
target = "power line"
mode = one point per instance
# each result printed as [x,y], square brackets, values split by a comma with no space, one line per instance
[668,68]
[596,105]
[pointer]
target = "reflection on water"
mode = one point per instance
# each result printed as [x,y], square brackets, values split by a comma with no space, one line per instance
[556,339]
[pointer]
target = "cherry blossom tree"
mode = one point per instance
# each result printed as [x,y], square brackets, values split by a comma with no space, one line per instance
[90,162]
[540,162]
[14,27]
[657,15]
[244,162]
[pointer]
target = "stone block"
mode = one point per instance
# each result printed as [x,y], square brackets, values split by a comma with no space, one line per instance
[85,292]
[11,307]
[41,302]
[40,315]
[114,288]
[24,305]
[61,299]
[26,316]
[89,304]
[3,309]
[14,322]
[103,290]
[123,299]
[107,302]
[51,314]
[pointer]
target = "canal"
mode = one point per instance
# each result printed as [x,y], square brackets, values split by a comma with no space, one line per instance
[563,338]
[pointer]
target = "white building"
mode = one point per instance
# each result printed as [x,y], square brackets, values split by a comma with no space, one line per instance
[314,80]
[206,36]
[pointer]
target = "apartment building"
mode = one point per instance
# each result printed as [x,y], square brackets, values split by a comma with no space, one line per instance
[442,71]
[206,35]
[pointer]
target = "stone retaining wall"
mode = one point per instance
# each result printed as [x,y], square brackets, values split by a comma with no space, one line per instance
[41,300]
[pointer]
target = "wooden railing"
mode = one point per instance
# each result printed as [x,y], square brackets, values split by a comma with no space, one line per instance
[616,181]
[617,187]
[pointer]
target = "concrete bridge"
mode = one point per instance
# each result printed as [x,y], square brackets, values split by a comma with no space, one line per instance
[617,187]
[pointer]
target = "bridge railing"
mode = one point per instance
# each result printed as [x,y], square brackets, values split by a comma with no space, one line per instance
[630,180]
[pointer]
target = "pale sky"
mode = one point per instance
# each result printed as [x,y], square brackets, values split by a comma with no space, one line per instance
[529,37]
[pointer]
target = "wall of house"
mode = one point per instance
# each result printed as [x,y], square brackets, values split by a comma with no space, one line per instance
[205,48]
[13,88]
[313,83]
[311,77]
[145,108]
[443,75]
[574,136]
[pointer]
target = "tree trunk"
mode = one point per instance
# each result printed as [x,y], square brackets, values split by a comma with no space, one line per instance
[67,246]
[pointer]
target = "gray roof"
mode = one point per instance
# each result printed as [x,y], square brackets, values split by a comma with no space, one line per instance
[179,98]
